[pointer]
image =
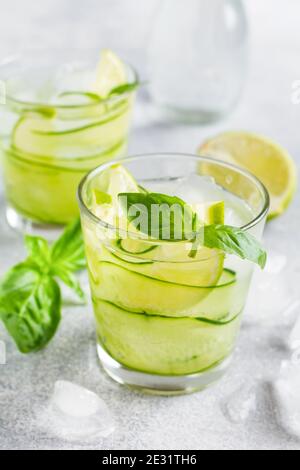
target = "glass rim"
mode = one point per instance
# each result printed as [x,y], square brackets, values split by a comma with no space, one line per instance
[14,59]
[255,221]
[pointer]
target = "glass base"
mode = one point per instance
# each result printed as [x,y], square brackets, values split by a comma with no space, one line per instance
[23,225]
[161,384]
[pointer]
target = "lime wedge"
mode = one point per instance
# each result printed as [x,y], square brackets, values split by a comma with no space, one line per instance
[117,179]
[211,213]
[106,188]
[262,157]
[111,72]
[101,197]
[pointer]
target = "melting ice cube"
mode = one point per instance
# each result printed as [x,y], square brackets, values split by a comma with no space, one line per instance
[76,414]
[74,400]
[241,404]
[195,189]
[287,396]
[271,297]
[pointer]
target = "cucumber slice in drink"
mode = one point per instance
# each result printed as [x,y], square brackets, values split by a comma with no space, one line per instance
[139,293]
[134,247]
[77,98]
[204,271]
[170,346]
[37,134]
[49,194]
[79,105]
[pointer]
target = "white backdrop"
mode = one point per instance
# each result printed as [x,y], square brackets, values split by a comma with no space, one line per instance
[124,23]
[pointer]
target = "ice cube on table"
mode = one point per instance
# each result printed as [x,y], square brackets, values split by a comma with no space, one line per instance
[287,396]
[241,404]
[271,298]
[74,400]
[76,414]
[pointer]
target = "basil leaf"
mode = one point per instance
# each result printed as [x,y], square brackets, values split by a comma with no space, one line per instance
[67,252]
[159,216]
[30,304]
[38,252]
[30,299]
[125,88]
[234,241]
[70,280]
[185,225]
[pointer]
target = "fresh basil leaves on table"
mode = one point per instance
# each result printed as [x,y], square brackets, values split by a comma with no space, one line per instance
[30,296]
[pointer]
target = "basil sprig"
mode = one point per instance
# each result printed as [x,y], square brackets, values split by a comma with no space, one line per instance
[125,88]
[235,241]
[30,296]
[231,240]
[171,219]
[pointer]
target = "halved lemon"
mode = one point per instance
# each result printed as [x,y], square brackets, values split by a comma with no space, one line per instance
[264,158]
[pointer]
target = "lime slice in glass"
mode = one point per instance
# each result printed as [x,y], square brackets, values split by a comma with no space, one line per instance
[111,72]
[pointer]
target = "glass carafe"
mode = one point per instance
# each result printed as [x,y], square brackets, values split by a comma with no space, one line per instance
[198,57]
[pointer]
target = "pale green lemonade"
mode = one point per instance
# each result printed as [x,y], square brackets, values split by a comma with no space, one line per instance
[158,311]
[59,122]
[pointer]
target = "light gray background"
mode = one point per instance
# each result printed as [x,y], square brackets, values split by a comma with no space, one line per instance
[197,421]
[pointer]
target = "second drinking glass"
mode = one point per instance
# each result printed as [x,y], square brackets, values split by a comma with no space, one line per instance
[61,118]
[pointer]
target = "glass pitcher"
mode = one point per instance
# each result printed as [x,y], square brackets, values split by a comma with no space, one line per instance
[198,57]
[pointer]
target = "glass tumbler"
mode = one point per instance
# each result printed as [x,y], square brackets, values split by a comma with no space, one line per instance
[53,131]
[158,329]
